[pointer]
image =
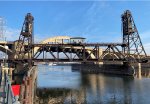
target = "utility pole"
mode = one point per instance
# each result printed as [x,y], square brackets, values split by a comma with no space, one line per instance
[2,24]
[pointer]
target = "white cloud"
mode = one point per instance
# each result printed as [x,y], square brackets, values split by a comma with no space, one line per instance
[104,4]
[147,48]
[11,34]
[145,34]
[93,16]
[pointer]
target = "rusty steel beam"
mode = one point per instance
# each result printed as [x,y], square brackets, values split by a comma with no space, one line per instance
[62,60]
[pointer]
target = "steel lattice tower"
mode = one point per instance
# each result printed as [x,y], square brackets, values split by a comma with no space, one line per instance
[24,44]
[131,37]
[2,37]
[2,24]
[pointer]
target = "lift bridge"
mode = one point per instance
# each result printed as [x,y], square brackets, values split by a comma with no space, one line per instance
[24,53]
[62,49]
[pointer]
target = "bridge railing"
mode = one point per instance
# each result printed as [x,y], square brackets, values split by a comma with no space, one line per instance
[9,96]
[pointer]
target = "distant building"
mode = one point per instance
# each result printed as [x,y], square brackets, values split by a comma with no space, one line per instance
[77,40]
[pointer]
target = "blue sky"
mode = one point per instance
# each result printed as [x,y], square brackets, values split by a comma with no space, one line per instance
[98,21]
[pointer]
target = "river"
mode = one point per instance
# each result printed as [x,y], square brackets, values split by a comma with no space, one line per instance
[62,85]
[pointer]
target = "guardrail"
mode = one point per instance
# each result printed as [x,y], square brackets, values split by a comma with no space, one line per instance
[9,97]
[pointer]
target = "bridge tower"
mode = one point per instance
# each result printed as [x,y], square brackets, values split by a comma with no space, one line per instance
[23,45]
[131,38]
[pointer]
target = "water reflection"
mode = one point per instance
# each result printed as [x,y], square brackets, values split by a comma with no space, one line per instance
[59,85]
[143,73]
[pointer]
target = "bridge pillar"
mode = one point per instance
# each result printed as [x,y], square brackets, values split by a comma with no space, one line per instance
[139,65]
[139,71]
[129,68]
[100,52]
[8,70]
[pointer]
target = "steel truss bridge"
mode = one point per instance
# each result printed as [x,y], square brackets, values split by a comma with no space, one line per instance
[24,50]
[23,53]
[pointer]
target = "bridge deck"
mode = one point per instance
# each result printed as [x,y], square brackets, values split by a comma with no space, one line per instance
[64,60]
[81,44]
[68,44]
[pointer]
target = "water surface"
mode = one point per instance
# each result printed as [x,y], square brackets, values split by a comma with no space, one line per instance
[62,85]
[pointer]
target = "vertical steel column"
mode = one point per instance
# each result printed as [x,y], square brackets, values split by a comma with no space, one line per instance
[71,53]
[84,59]
[43,53]
[57,53]
[98,54]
